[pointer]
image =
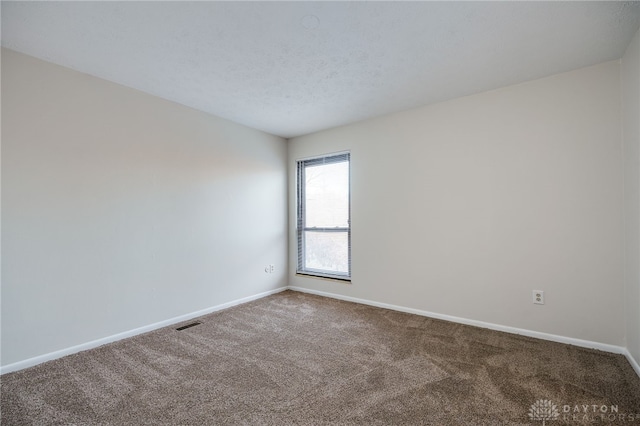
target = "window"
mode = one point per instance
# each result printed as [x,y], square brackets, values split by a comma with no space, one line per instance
[324,217]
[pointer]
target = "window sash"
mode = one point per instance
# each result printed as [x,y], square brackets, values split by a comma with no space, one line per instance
[302,229]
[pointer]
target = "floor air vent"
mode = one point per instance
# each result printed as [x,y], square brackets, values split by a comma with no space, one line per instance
[192,324]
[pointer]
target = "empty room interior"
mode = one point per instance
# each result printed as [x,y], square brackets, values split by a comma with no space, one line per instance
[320,213]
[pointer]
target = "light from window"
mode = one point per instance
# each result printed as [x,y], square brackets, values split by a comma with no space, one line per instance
[324,223]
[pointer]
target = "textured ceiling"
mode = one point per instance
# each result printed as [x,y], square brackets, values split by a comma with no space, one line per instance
[291,68]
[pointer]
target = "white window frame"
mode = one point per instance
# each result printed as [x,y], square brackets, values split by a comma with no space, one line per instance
[300,216]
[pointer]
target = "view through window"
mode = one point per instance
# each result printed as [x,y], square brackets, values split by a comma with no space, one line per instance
[324,223]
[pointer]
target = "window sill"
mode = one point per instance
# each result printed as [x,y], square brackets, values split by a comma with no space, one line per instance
[345,280]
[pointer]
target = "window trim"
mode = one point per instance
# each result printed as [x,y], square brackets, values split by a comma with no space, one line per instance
[300,208]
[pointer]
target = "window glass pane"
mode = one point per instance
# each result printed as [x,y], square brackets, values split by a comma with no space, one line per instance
[328,251]
[327,195]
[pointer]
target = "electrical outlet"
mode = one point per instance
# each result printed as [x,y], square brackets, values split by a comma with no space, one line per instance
[271,269]
[538,297]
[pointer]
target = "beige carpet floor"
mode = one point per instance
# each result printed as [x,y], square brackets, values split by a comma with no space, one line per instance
[294,358]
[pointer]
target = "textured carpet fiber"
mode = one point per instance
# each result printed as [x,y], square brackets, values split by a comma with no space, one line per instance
[294,358]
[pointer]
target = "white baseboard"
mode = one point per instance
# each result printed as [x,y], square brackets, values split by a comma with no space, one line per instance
[513,330]
[632,361]
[109,339]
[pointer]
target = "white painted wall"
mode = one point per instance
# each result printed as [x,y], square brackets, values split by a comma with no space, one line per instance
[121,209]
[631,136]
[464,207]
